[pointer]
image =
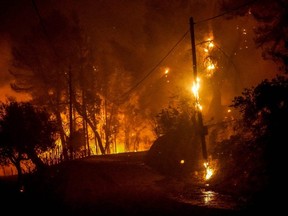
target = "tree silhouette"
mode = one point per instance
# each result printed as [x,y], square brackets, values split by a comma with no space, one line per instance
[252,160]
[265,113]
[25,132]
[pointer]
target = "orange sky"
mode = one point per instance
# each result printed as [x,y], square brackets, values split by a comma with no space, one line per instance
[5,78]
[6,91]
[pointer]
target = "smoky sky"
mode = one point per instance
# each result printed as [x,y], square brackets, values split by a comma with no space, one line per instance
[134,35]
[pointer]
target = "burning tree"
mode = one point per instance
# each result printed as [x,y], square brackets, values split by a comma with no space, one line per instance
[55,65]
[58,65]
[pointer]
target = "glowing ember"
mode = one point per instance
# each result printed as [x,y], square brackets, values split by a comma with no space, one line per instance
[182,162]
[21,189]
[167,70]
[210,45]
[211,67]
[209,171]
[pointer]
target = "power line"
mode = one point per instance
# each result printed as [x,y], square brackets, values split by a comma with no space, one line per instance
[169,52]
[227,12]
[154,68]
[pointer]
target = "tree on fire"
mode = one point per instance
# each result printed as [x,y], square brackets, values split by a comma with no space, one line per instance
[271,32]
[55,55]
[113,104]
[25,132]
[250,160]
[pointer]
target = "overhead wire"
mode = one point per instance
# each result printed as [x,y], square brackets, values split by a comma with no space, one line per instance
[155,67]
[227,12]
[127,93]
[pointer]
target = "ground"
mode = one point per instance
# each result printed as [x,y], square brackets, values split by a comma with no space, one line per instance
[120,184]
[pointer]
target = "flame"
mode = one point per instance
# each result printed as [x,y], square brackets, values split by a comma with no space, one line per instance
[195,88]
[167,71]
[211,66]
[211,44]
[208,171]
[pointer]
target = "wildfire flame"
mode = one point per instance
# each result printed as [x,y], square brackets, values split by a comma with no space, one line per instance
[195,89]
[209,63]
[208,171]
[210,45]
[166,71]
[211,66]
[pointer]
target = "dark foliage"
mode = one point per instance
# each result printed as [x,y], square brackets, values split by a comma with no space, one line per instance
[252,162]
[177,149]
[25,132]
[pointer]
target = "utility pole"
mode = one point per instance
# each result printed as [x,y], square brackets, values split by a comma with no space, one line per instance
[201,128]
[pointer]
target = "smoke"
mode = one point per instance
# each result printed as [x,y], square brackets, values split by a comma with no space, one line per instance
[133,36]
[5,57]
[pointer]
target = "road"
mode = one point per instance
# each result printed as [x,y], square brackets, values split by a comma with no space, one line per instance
[119,184]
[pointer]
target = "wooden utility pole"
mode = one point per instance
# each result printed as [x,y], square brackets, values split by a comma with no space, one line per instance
[194,63]
[201,129]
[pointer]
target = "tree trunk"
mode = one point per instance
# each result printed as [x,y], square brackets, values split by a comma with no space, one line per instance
[62,135]
[17,164]
[99,141]
[97,136]
[36,160]
[93,127]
